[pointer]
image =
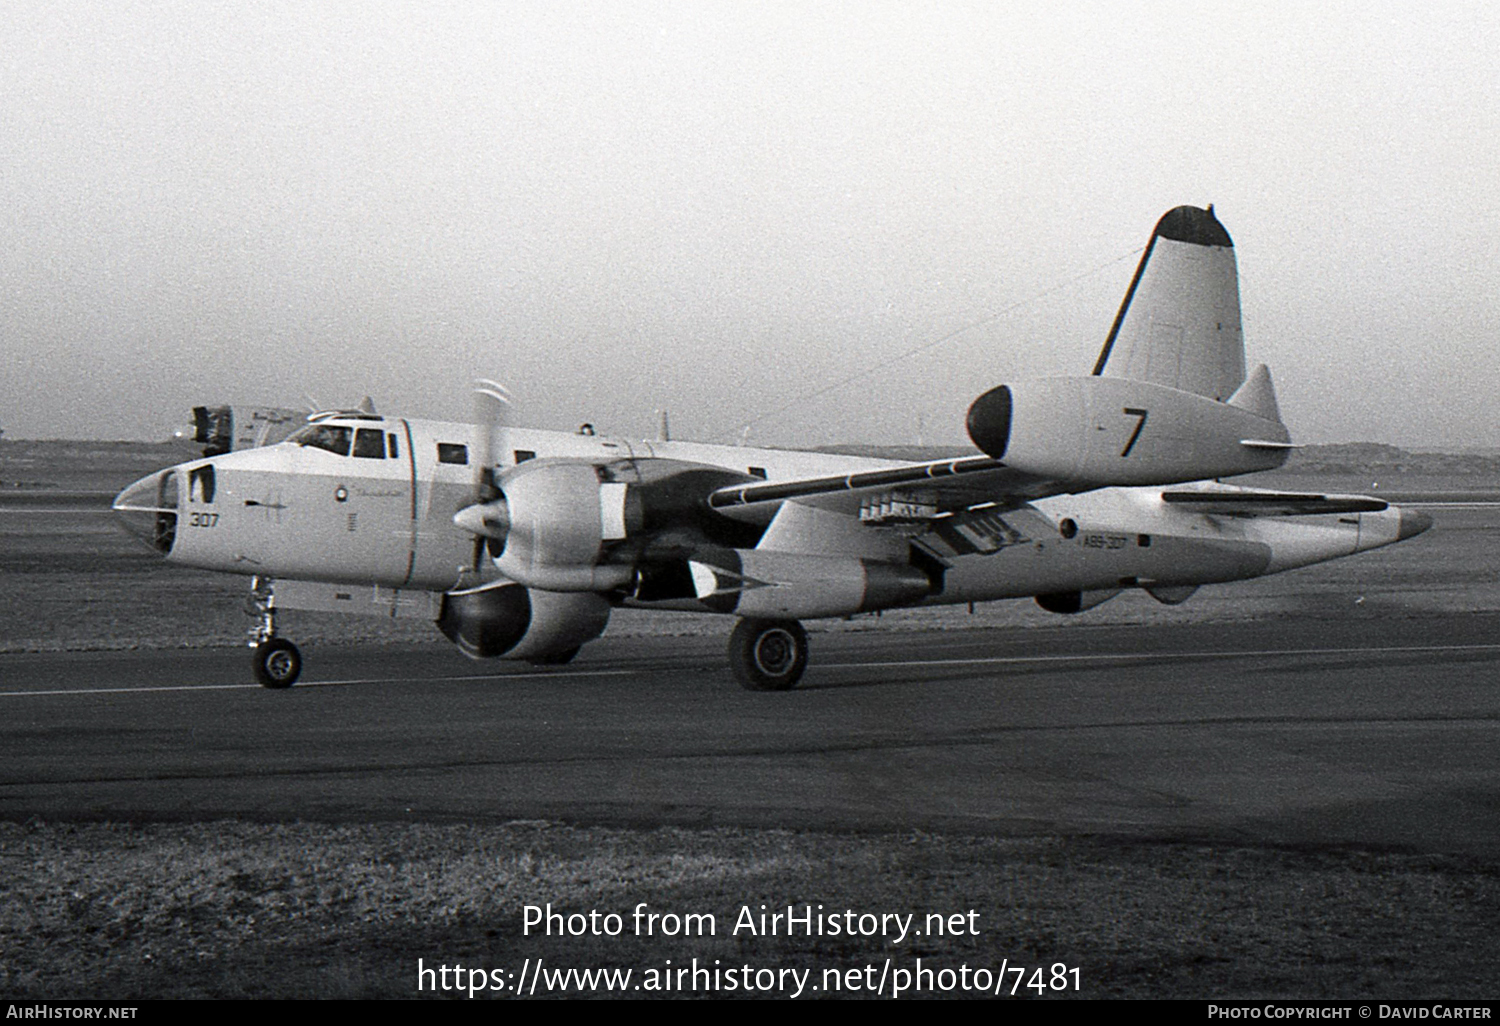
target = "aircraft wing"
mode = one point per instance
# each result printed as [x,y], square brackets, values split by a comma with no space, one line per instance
[941,486]
[938,486]
[1270,504]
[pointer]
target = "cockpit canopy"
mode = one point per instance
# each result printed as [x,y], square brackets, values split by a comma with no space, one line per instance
[333,437]
[345,440]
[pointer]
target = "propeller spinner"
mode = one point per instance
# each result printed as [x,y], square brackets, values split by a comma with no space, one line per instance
[486,519]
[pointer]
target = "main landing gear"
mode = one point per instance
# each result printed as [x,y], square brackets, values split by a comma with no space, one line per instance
[768,655]
[276,661]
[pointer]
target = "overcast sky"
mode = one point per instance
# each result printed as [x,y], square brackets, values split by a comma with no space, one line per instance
[721,208]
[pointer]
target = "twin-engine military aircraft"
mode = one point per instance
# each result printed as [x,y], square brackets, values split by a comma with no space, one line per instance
[519,543]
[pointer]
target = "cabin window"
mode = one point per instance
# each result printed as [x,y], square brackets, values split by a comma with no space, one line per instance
[394,447]
[331,437]
[453,452]
[369,444]
[522,455]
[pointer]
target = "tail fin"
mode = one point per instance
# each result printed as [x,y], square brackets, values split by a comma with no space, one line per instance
[1179,325]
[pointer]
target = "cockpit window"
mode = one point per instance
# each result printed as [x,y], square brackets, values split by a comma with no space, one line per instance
[201,483]
[331,437]
[369,443]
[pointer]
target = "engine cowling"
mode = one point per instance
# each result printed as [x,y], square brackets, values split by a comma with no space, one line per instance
[520,623]
[570,525]
[550,523]
[1098,431]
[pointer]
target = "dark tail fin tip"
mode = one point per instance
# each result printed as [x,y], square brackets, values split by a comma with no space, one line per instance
[1190,224]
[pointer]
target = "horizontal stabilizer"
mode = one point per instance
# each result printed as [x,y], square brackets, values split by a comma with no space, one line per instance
[1270,504]
[1099,431]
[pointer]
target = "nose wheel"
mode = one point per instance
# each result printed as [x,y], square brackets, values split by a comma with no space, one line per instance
[768,655]
[276,662]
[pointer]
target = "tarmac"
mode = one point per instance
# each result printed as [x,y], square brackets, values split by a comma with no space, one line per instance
[1361,732]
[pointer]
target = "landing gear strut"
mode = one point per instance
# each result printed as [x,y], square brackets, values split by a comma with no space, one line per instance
[275,660]
[768,655]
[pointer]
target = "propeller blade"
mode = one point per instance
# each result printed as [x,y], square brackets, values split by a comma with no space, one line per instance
[493,389]
[491,402]
[489,517]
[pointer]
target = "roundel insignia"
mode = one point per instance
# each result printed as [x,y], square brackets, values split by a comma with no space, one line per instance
[341,494]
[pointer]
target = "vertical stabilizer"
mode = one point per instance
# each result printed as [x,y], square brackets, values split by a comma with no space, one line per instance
[1179,325]
[1257,395]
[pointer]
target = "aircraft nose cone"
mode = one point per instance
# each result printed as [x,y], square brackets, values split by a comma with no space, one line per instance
[1413,523]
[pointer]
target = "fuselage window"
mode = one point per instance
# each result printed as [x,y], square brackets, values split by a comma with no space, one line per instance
[395,449]
[759,472]
[201,483]
[522,455]
[369,443]
[332,437]
[453,452]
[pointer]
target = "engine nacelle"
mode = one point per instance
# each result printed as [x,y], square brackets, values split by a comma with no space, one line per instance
[784,584]
[1068,602]
[570,525]
[551,525]
[1099,431]
[520,623]
[221,429]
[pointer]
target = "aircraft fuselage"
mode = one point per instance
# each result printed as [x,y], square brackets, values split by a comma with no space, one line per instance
[381,514]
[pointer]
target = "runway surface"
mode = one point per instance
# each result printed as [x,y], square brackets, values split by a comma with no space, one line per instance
[1367,732]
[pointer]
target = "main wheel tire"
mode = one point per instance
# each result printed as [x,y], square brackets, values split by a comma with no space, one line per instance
[278,664]
[768,655]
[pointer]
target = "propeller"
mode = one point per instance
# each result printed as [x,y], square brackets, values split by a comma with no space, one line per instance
[491,405]
[488,517]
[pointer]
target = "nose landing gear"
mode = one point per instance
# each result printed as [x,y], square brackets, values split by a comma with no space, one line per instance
[276,661]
